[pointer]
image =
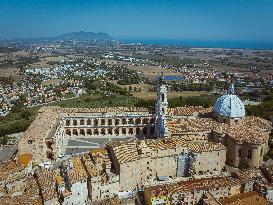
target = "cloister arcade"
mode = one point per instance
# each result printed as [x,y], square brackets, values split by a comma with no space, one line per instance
[139,126]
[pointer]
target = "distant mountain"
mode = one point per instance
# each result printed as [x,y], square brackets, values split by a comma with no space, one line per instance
[85,36]
[81,36]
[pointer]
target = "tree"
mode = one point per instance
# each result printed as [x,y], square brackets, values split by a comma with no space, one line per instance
[4,140]
[25,114]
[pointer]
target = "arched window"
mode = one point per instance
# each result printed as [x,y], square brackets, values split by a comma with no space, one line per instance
[102,131]
[82,122]
[162,97]
[109,121]
[75,122]
[96,122]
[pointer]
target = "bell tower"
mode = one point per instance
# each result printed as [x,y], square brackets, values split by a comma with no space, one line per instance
[161,110]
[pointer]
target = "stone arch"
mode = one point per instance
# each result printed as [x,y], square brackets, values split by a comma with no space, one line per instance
[131,121]
[152,130]
[138,121]
[82,132]
[96,122]
[75,132]
[145,121]
[110,131]
[249,154]
[82,122]
[109,121]
[123,130]
[137,130]
[116,121]
[67,122]
[145,130]
[88,122]
[124,121]
[68,132]
[131,131]
[96,132]
[102,131]
[89,131]
[102,121]
[117,131]
[75,122]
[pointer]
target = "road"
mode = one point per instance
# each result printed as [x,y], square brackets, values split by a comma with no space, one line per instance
[6,100]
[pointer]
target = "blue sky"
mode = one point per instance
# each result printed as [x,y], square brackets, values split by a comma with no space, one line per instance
[249,20]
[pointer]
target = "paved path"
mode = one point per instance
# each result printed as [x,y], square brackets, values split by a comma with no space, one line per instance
[7,153]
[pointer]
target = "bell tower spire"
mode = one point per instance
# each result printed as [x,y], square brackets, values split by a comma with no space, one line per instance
[161,109]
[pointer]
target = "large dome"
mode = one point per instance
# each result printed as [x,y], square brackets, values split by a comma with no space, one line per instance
[229,105]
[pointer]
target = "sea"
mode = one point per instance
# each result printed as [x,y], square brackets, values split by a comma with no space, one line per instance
[203,44]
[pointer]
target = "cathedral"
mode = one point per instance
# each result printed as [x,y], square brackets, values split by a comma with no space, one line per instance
[58,133]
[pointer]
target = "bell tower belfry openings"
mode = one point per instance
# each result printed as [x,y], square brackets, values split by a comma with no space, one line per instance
[161,110]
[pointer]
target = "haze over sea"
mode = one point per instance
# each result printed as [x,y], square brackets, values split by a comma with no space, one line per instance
[203,43]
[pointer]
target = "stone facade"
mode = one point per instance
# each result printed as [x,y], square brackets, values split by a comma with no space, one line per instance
[138,163]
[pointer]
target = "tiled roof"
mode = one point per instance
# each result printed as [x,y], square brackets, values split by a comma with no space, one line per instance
[130,151]
[187,111]
[77,173]
[190,125]
[192,185]
[249,130]
[46,180]
[250,198]
[206,147]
